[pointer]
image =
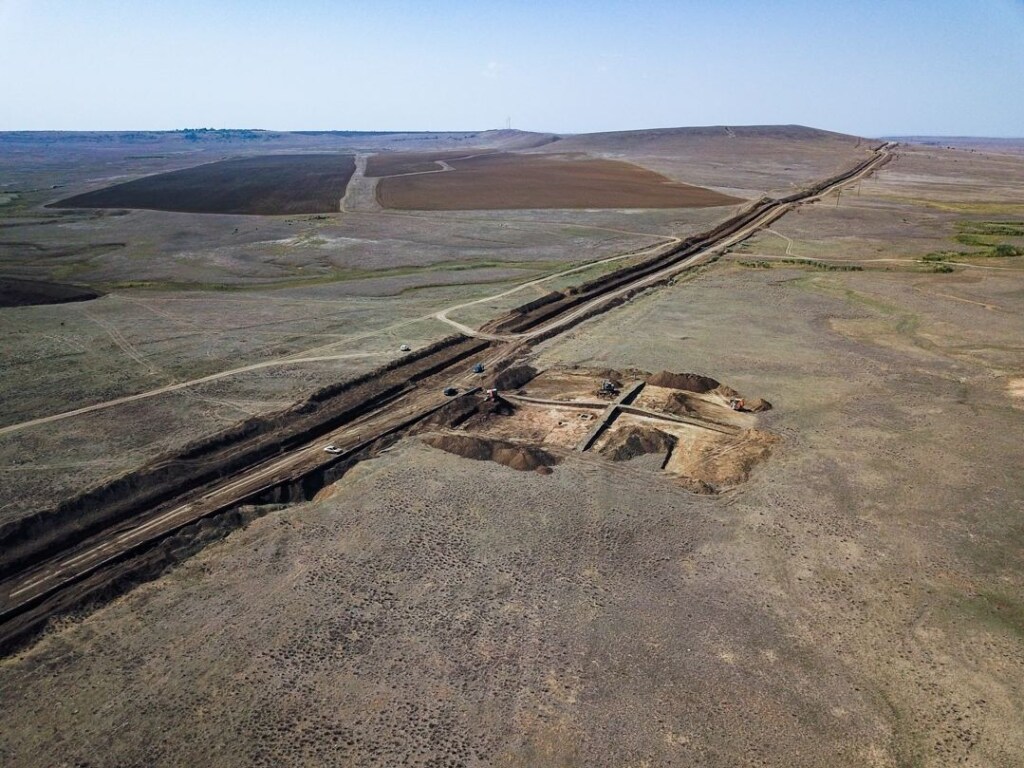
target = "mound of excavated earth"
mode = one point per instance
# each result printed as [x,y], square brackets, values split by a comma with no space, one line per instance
[515,377]
[630,442]
[690,382]
[522,457]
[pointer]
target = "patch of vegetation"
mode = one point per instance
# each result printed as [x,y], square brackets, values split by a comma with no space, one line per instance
[979,241]
[1002,228]
[1004,250]
[944,255]
[990,208]
[945,268]
[760,264]
[999,611]
[988,234]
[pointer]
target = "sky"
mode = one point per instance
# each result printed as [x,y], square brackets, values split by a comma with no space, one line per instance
[872,68]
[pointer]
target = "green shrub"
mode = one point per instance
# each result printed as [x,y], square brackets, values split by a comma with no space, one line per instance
[981,241]
[1004,228]
[1005,249]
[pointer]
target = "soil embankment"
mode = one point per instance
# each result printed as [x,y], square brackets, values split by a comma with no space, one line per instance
[631,442]
[525,458]
[689,382]
[31,539]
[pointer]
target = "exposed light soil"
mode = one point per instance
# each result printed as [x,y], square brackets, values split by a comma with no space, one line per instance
[515,181]
[720,461]
[560,428]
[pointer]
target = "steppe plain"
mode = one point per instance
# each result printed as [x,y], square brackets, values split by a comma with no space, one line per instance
[855,602]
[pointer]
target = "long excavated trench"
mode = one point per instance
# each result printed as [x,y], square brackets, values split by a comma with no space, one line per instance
[101,543]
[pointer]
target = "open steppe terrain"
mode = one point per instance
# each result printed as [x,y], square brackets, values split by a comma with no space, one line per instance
[853,601]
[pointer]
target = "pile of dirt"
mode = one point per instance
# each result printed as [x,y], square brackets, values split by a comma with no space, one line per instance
[524,458]
[630,442]
[690,382]
[679,404]
[515,377]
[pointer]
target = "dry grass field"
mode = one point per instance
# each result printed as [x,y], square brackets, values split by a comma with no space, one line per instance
[854,599]
[268,185]
[520,181]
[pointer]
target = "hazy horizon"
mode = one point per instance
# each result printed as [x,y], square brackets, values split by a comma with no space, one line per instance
[483,130]
[877,69]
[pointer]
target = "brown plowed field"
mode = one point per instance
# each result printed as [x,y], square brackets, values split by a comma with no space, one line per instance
[497,181]
[396,163]
[268,185]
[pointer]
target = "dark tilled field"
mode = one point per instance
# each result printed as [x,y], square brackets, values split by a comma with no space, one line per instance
[24,293]
[268,185]
[509,181]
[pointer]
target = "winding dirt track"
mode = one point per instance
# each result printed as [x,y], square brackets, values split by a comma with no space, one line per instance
[33,593]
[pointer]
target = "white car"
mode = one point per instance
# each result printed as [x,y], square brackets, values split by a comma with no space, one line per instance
[332,448]
[405,348]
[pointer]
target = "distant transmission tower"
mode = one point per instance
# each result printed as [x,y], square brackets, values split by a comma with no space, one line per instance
[508,123]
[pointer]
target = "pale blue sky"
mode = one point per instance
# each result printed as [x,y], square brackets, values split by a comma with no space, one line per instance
[871,68]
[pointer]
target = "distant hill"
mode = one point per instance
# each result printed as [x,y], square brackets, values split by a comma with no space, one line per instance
[665,137]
